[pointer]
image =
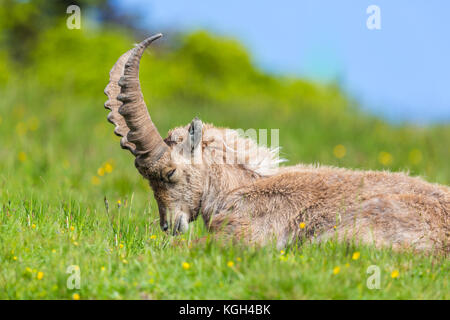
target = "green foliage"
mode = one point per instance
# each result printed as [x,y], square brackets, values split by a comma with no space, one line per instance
[22,22]
[76,61]
[60,159]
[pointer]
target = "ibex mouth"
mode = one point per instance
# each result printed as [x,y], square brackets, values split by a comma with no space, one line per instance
[181,224]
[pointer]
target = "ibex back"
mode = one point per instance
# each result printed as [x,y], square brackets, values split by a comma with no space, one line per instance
[253,200]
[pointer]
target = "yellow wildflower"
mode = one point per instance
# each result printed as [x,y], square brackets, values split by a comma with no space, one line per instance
[22,156]
[230,264]
[40,275]
[76,296]
[102,269]
[121,246]
[14,258]
[302,225]
[336,270]
[356,255]
[72,228]
[385,158]
[339,151]
[153,237]
[108,168]
[395,274]
[185,265]
[101,172]
[33,226]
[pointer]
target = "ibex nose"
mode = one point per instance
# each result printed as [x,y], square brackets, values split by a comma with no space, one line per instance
[165,226]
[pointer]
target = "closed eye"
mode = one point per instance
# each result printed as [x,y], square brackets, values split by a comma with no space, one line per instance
[170,173]
[167,174]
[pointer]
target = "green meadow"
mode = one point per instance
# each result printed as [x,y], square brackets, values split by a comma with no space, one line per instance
[69,196]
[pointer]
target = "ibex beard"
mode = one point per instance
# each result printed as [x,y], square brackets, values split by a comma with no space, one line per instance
[251,198]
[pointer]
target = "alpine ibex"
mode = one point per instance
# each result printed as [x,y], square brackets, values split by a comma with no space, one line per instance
[253,200]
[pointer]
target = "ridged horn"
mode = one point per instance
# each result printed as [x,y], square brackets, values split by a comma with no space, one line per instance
[112,90]
[128,110]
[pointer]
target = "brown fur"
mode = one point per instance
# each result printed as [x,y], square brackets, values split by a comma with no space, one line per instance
[381,208]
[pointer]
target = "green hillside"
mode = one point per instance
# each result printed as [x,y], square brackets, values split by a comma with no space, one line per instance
[60,159]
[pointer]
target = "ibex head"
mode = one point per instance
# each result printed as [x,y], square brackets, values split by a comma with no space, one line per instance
[176,181]
[183,168]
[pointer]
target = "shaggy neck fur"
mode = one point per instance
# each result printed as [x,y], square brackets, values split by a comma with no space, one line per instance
[232,161]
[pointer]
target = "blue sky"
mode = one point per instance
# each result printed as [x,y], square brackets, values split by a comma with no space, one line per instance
[401,71]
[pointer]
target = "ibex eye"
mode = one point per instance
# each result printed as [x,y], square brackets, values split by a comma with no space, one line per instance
[170,173]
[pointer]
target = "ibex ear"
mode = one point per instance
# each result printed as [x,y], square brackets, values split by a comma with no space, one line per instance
[195,133]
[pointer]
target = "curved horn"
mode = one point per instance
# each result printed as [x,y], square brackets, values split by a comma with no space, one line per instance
[142,133]
[112,90]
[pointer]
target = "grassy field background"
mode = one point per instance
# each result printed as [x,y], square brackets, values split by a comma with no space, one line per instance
[59,161]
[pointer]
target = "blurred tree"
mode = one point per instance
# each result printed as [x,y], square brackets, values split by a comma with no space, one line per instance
[23,21]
